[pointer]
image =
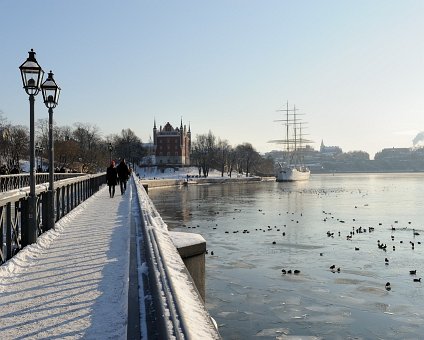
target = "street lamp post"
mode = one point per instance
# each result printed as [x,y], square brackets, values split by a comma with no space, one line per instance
[32,76]
[51,94]
[110,151]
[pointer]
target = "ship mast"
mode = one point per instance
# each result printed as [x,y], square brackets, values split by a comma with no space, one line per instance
[293,134]
[295,128]
[287,126]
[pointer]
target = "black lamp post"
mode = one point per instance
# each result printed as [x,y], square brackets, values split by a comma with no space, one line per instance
[32,76]
[110,151]
[51,94]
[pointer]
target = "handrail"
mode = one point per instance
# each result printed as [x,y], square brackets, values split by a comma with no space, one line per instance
[14,219]
[17,181]
[181,307]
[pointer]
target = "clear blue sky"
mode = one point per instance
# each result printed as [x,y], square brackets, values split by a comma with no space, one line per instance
[355,68]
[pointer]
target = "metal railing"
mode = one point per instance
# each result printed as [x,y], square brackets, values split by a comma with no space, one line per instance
[14,204]
[18,181]
[179,312]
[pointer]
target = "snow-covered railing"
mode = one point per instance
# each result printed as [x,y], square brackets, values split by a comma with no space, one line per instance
[14,221]
[11,182]
[169,289]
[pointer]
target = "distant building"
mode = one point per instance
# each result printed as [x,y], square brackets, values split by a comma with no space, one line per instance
[150,158]
[329,150]
[394,153]
[172,145]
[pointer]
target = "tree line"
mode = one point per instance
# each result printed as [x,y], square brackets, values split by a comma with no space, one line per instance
[82,148]
[79,148]
[209,152]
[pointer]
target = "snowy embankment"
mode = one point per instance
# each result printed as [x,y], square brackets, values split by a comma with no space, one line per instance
[189,176]
[179,173]
[182,306]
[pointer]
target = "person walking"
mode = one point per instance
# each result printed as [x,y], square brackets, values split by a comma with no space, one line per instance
[123,175]
[111,178]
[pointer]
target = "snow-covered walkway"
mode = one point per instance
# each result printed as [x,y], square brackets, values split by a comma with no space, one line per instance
[73,283]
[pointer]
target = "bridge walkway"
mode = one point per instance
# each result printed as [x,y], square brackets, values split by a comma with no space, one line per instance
[73,283]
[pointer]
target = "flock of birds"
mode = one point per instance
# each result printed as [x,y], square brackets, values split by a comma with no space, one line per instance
[354,231]
[380,245]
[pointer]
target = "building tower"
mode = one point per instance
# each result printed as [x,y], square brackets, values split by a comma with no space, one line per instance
[172,145]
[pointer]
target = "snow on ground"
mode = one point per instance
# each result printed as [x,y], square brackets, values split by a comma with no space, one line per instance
[73,282]
[181,173]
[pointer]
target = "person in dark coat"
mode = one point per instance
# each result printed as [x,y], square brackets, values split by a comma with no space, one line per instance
[14,171]
[123,174]
[112,178]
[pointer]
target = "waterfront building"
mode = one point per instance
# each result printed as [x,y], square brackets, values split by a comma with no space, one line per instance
[172,145]
[329,150]
[392,154]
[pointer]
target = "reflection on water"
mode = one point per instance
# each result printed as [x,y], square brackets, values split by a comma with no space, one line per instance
[255,230]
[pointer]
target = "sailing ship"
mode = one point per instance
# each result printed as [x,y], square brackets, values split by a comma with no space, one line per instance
[292,168]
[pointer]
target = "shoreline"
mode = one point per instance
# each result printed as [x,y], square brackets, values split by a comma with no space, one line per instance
[153,183]
[163,183]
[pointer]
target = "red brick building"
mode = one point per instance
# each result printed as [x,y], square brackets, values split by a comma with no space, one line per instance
[172,146]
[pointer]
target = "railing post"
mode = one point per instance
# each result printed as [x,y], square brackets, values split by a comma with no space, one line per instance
[8,222]
[63,203]
[68,209]
[25,222]
[45,214]
[2,244]
[38,204]
[79,193]
[72,196]
[57,204]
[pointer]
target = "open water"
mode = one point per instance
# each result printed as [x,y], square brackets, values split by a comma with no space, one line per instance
[255,230]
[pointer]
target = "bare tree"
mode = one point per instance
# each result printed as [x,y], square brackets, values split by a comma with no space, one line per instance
[62,133]
[247,157]
[222,154]
[204,149]
[129,146]
[42,132]
[232,161]
[92,152]
[4,143]
[19,141]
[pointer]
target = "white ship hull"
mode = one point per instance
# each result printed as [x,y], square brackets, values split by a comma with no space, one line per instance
[289,174]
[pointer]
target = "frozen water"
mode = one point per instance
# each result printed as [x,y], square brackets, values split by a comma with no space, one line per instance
[244,224]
